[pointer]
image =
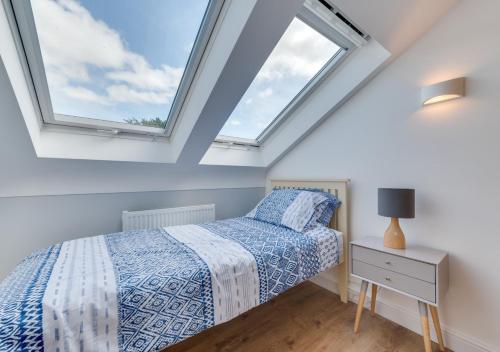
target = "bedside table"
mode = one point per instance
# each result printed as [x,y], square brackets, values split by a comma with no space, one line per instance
[417,272]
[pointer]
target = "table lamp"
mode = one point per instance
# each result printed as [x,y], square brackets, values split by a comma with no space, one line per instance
[396,203]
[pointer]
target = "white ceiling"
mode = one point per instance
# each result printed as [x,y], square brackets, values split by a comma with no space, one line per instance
[394,26]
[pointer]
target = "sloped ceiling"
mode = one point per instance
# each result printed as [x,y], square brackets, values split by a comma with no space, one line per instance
[395,24]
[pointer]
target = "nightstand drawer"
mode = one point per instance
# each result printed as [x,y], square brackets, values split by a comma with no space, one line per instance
[406,266]
[415,287]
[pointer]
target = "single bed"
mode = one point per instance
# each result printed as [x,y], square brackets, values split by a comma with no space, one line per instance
[147,290]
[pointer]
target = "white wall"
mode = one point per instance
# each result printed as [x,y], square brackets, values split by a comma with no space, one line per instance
[447,152]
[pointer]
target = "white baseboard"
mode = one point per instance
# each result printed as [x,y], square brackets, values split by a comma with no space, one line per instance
[454,340]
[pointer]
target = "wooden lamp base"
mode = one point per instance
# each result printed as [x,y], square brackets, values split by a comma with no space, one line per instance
[394,236]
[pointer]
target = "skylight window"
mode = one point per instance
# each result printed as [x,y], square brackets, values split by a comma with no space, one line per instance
[123,64]
[301,57]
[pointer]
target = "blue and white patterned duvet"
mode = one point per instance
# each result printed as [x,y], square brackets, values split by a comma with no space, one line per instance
[146,290]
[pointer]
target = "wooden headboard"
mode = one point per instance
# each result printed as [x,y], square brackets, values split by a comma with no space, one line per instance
[339,222]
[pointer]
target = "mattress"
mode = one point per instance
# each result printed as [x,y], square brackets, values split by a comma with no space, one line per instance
[149,289]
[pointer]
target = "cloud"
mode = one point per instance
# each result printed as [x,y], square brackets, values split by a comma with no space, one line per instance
[76,48]
[235,122]
[141,75]
[85,94]
[125,94]
[265,93]
[71,38]
[300,52]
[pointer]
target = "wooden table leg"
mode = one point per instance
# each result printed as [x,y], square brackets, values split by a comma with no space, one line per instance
[373,299]
[437,327]
[426,333]
[361,304]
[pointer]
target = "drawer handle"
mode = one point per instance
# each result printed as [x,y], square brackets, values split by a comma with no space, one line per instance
[388,263]
[387,279]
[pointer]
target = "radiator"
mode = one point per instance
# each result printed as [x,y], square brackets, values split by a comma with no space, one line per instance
[148,219]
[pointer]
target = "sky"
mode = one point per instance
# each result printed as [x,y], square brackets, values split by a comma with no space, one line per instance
[297,58]
[124,59]
[115,59]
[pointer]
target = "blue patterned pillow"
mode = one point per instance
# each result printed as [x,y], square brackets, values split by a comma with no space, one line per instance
[324,212]
[296,209]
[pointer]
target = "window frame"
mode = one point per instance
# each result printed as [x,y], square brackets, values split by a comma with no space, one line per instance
[346,48]
[21,20]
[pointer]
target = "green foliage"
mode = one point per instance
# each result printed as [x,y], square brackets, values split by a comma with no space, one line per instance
[156,122]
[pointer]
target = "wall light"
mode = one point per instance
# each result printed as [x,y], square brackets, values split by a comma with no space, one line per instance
[442,91]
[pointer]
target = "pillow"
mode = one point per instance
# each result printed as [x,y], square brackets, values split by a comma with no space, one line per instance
[296,209]
[324,212]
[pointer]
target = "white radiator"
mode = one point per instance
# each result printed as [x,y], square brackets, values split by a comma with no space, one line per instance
[148,219]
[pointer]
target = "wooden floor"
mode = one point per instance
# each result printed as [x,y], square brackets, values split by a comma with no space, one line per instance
[305,318]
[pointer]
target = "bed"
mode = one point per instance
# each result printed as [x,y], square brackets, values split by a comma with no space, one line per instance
[149,289]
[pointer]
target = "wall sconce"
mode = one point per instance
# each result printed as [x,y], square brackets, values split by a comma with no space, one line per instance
[443,91]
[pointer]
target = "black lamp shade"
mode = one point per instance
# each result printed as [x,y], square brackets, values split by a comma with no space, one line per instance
[396,202]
